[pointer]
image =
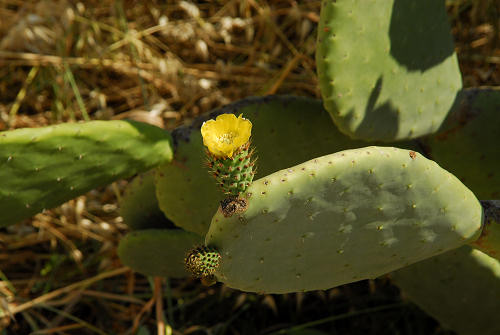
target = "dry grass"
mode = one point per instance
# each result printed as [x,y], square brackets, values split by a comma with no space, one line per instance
[62,61]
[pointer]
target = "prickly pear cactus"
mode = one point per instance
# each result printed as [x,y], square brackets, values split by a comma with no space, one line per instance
[158,252]
[139,207]
[343,217]
[41,168]
[468,143]
[387,69]
[460,288]
[154,247]
[489,241]
[287,130]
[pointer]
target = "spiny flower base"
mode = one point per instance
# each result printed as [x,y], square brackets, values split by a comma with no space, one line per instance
[233,174]
[202,262]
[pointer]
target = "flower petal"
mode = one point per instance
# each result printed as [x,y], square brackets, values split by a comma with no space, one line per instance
[226,134]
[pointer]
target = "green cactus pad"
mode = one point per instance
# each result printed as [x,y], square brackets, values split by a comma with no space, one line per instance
[158,252]
[468,143]
[41,168]
[387,69]
[340,218]
[287,130]
[139,207]
[460,288]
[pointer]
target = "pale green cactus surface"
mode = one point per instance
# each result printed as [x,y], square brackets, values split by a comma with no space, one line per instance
[343,217]
[387,69]
[287,130]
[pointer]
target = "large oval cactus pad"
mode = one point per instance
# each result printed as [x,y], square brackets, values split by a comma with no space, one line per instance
[460,288]
[468,145]
[158,252]
[41,168]
[287,130]
[340,218]
[387,69]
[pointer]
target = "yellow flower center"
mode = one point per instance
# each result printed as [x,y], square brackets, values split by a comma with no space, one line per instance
[227,138]
[224,135]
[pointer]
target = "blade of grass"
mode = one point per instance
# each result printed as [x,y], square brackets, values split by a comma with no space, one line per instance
[78,285]
[71,79]
[133,51]
[73,318]
[7,282]
[21,95]
[58,329]
[170,305]
[282,76]
[339,317]
[31,322]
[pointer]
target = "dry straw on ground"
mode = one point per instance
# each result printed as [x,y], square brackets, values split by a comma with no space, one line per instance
[164,63]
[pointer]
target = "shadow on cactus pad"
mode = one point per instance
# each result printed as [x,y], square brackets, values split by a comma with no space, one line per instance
[420,34]
[467,144]
[158,252]
[460,288]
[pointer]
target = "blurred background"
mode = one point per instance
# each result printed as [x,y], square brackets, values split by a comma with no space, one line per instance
[165,62]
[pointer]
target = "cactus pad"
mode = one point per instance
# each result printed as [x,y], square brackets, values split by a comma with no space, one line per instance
[468,143]
[139,207]
[158,252]
[287,130]
[387,69]
[489,241]
[460,288]
[43,167]
[340,218]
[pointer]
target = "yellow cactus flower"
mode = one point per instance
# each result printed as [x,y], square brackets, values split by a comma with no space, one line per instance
[224,135]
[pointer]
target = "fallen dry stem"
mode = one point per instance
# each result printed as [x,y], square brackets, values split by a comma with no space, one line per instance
[15,308]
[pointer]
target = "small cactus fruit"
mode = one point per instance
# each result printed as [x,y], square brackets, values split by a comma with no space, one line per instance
[467,144]
[41,168]
[139,207]
[157,252]
[287,130]
[460,288]
[228,152]
[387,68]
[202,262]
[340,218]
